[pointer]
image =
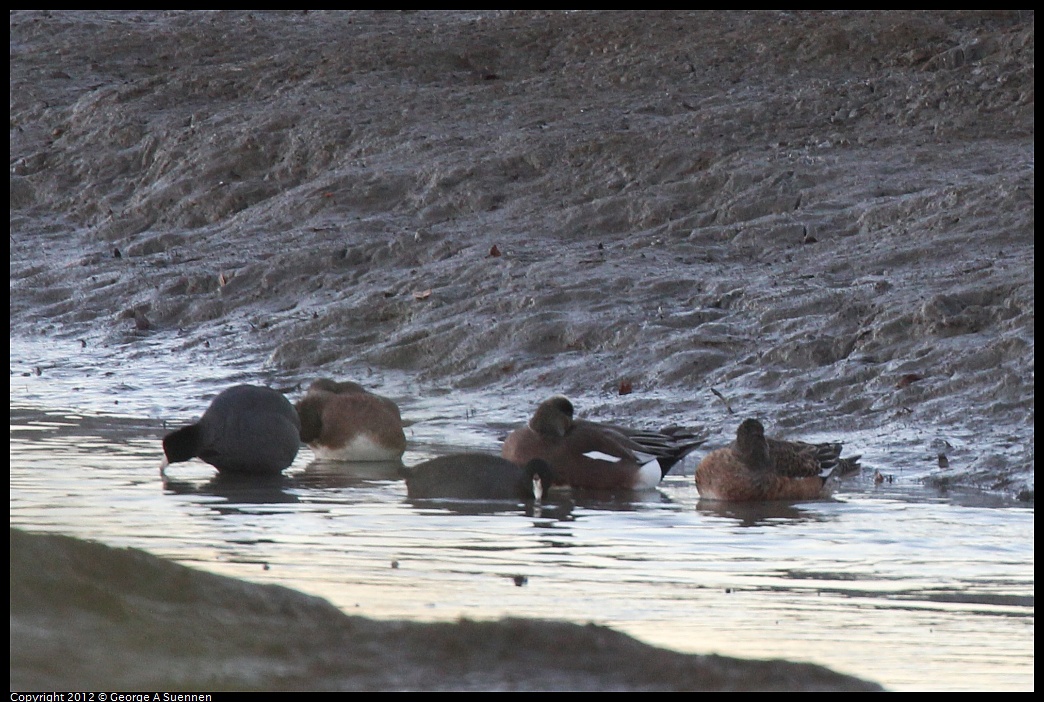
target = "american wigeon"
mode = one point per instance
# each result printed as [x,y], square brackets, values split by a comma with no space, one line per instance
[478,476]
[584,454]
[246,429]
[345,422]
[755,468]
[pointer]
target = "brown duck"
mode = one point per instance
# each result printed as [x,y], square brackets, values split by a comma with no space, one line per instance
[585,454]
[345,422]
[755,468]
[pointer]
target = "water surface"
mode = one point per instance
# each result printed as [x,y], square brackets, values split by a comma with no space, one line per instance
[892,583]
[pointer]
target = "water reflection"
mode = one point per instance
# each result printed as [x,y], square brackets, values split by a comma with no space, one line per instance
[614,501]
[756,514]
[472,508]
[900,584]
[325,475]
[236,489]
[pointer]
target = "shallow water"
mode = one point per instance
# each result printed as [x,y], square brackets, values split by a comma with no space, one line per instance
[892,583]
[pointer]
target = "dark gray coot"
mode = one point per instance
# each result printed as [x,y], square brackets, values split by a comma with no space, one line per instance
[477,476]
[246,430]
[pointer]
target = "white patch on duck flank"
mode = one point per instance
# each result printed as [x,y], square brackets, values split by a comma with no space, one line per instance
[599,456]
[649,476]
[361,448]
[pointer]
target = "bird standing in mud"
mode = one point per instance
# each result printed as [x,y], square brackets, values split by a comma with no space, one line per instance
[756,468]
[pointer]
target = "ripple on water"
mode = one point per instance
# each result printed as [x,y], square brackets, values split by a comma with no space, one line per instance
[894,583]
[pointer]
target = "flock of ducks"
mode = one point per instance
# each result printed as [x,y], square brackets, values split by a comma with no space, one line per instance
[255,430]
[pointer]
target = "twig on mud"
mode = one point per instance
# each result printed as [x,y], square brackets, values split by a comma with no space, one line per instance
[722,398]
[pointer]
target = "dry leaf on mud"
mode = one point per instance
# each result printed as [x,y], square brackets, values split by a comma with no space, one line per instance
[907,379]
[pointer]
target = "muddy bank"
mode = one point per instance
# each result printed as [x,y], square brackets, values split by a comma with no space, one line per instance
[86,616]
[827,217]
